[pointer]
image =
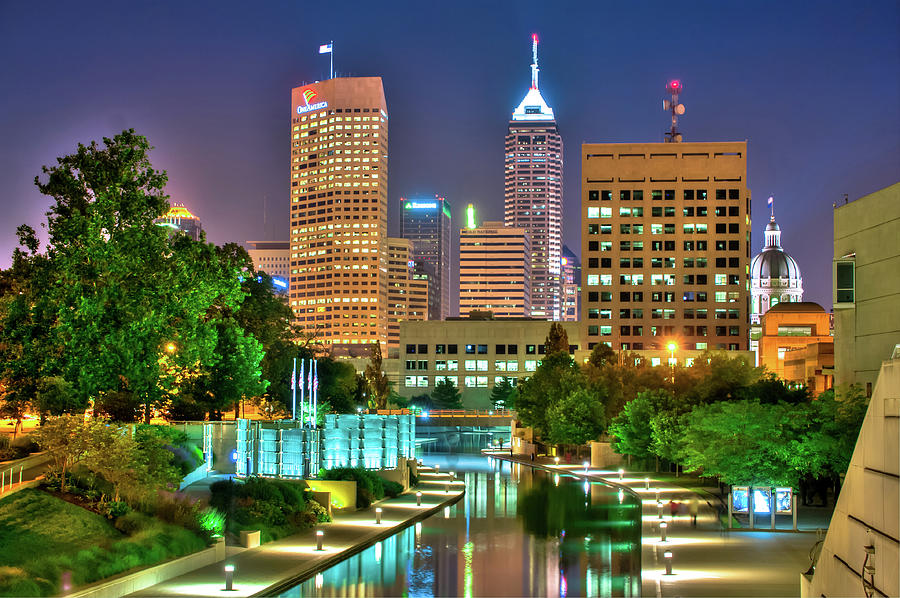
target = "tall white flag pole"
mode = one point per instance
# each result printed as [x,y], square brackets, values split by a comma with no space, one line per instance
[300,381]
[294,390]
[331,56]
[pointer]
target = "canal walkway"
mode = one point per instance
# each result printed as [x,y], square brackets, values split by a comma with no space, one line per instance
[707,560]
[277,566]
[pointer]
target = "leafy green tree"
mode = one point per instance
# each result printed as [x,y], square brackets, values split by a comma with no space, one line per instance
[55,396]
[602,354]
[554,379]
[577,418]
[623,378]
[422,401]
[377,381]
[337,385]
[630,430]
[112,453]
[557,340]
[742,442]
[119,406]
[717,376]
[503,395]
[66,439]
[771,390]
[232,371]
[116,286]
[446,395]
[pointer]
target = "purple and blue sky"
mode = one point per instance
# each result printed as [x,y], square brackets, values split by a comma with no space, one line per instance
[813,87]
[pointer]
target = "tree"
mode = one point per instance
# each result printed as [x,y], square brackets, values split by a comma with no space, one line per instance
[557,340]
[742,442]
[503,395]
[554,379]
[602,354]
[771,390]
[113,281]
[337,385]
[717,376]
[377,381]
[446,395]
[112,453]
[577,418]
[630,430]
[422,402]
[118,406]
[623,378]
[56,397]
[232,372]
[66,440]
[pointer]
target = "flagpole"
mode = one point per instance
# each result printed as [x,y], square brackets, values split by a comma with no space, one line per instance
[302,404]
[294,391]
[331,56]
[315,421]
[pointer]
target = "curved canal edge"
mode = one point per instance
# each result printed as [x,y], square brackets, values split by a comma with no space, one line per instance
[432,484]
[268,569]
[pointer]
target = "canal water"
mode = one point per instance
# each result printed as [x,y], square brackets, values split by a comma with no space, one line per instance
[518,531]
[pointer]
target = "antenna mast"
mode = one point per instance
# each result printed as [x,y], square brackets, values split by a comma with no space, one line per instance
[534,65]
[673,87]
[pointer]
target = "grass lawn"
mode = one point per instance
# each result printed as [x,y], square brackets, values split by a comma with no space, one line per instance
[46,540]
[35,523]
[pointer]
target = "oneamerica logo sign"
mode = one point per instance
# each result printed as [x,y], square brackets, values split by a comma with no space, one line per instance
[310,107]
[309,94]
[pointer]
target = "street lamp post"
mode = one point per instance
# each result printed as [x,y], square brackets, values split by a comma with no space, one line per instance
[672,347]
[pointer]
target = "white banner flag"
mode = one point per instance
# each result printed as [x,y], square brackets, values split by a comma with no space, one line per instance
[325,49]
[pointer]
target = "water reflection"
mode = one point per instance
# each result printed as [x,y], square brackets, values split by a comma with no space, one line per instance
[515,533]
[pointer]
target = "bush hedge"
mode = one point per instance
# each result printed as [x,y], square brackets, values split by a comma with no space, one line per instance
[276,508]
[369,485]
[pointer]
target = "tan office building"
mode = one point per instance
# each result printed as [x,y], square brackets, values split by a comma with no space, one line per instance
[407,295]
[339,145]
[866,286]
[271,257]
[665,245]
[495,270]
[788,327]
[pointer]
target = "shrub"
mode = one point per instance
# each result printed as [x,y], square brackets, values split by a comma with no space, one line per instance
[392,489]
[212,521]
[134,522]
[114,508]
[178,510]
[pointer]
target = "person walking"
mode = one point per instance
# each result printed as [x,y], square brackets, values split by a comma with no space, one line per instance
[695,510]
[673,508]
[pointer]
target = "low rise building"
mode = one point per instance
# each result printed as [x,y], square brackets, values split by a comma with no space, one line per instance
[811,366]
[473,354]
[788,326]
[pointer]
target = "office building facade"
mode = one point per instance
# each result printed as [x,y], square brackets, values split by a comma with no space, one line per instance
[495,270]
[866,287]
[533,192]
[273,258]
[426,223]
[180,218]
[407,295]
[571,286]
[665,245]
[339,153]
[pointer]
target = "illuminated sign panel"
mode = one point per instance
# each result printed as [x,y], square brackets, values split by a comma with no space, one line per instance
[420,205]
[309,94]
[740,498]
[783,502]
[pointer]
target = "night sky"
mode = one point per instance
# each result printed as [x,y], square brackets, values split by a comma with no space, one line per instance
[813,87]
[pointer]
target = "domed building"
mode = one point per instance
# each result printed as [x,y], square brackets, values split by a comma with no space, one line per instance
[774,276]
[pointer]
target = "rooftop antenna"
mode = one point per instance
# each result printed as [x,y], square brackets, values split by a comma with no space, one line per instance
[534,65]
[673,87]
[771,202]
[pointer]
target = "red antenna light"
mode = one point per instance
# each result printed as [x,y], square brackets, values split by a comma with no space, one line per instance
[534,37]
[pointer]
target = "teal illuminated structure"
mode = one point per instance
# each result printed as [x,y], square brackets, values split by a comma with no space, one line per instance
[283,449]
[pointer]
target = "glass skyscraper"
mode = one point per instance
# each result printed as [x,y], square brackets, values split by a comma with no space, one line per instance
[425,221]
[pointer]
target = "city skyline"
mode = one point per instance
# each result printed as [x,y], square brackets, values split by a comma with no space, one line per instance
[779,81]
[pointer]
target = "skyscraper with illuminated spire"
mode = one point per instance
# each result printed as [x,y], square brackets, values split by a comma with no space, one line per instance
[533,192]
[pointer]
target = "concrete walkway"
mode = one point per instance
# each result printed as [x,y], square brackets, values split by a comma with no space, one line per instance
[276,566]
[707,560]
